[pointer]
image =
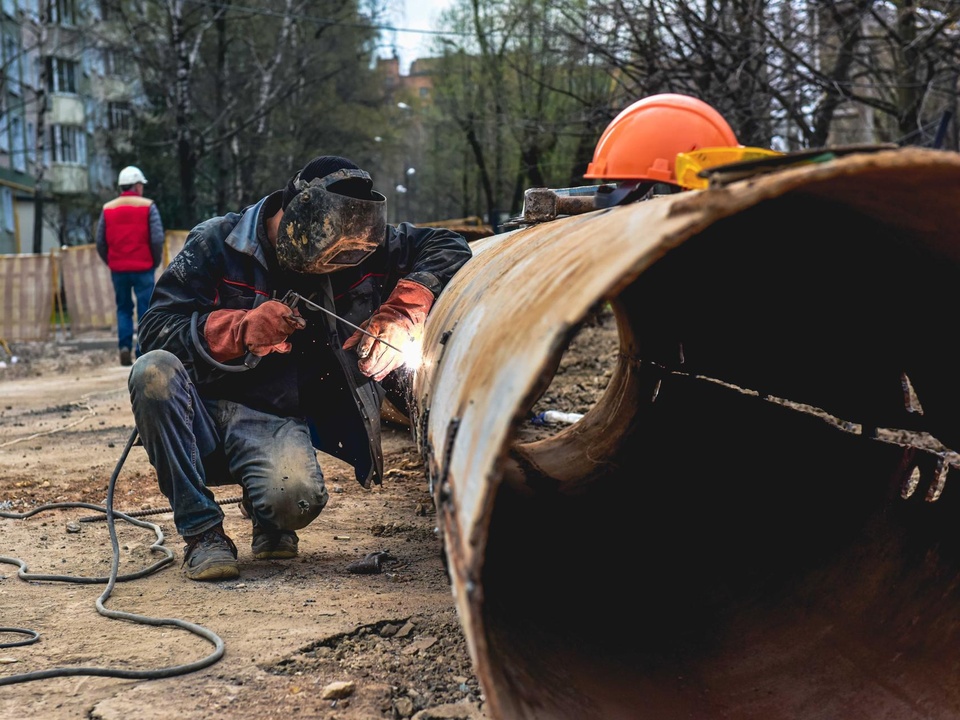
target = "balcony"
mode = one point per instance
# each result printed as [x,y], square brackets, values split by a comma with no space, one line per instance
[68,179]
[65,110]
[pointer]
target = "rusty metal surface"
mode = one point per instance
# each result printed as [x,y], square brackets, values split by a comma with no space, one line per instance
[542,204]
[712,554]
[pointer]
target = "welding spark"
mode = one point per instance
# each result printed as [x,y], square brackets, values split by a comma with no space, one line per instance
[413,353]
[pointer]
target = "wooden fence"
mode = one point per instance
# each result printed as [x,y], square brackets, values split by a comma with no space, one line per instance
[30,285]
[26,296]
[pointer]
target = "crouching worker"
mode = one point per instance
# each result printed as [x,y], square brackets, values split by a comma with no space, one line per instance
[235,386]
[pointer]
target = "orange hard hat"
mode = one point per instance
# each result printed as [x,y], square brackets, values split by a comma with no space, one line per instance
[642,142]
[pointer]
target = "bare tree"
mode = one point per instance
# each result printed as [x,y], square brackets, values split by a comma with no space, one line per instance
[787,74]
[238,96]
[521,96]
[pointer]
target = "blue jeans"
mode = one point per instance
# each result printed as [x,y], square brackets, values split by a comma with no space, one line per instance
[126,285]
[194,443]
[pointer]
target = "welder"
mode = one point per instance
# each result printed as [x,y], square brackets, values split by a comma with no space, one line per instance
[235,386]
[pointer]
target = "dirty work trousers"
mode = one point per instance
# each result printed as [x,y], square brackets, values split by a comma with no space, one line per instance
[126,286]
[194,444]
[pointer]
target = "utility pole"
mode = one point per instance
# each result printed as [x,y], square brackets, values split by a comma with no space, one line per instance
[45,14]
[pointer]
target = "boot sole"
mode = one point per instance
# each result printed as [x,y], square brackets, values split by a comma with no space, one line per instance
[214,572]
[275,555]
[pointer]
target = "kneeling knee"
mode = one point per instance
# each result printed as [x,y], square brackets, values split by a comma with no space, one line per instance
[295,505]
[153,375]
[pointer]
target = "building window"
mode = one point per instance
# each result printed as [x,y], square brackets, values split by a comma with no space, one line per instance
[61,75]
[68,145]
[63,12]
[31,143]
[11,56]
[108,58]
[6,196]
[119,116]
[19,151]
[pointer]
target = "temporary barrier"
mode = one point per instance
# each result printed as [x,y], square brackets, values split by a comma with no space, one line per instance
[88,289]
[172,244]
[753,520]
[27,292]
[26,297]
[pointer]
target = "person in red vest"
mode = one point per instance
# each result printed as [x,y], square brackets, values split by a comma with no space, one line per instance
[130,242]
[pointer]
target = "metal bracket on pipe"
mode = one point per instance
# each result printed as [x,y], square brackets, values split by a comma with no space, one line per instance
[544,204]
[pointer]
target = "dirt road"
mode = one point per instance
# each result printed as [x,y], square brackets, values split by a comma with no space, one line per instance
[290,628]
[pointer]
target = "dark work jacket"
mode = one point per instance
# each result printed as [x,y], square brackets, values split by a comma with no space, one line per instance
[228,262]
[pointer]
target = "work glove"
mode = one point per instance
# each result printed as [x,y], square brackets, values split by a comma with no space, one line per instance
[261,331]
[399,321]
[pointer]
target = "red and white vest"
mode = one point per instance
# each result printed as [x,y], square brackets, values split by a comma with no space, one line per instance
[127,229]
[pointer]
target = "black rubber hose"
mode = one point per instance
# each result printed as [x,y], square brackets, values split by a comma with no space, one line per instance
[250,361]
[32,637]
[172,671]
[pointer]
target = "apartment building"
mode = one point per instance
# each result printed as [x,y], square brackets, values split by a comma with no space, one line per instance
[63,107]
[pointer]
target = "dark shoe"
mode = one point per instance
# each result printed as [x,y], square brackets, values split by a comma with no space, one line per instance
[274,544]
[211,555]
[125,357]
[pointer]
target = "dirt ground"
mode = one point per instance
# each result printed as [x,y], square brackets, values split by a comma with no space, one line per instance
[302,638]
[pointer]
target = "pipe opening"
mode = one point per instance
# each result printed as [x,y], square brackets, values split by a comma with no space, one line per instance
[738,543]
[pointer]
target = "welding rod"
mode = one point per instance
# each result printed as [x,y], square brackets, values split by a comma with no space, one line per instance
[314,306]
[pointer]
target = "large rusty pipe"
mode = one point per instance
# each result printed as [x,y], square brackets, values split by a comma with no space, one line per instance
[729,532]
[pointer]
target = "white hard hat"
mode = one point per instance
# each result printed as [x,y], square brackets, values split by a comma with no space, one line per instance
[131,175]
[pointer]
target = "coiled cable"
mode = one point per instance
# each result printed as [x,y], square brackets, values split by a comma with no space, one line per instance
[111,581]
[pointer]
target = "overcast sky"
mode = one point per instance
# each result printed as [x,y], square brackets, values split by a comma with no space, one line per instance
[418,15]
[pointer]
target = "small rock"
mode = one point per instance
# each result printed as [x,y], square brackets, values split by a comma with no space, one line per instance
[73,527]
[452,711]
[420,645]
[338,690]
[388,630]
[405,630]
[403,707]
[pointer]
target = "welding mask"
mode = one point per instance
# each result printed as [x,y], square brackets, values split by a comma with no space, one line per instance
[333,222]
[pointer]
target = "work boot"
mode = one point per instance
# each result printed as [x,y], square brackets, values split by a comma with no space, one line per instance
[211,555]
[274,544]
[125,357]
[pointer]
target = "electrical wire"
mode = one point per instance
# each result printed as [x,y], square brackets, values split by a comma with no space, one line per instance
[114,577]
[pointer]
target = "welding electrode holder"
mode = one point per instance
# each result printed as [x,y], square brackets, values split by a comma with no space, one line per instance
[195,336]
[250,361]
